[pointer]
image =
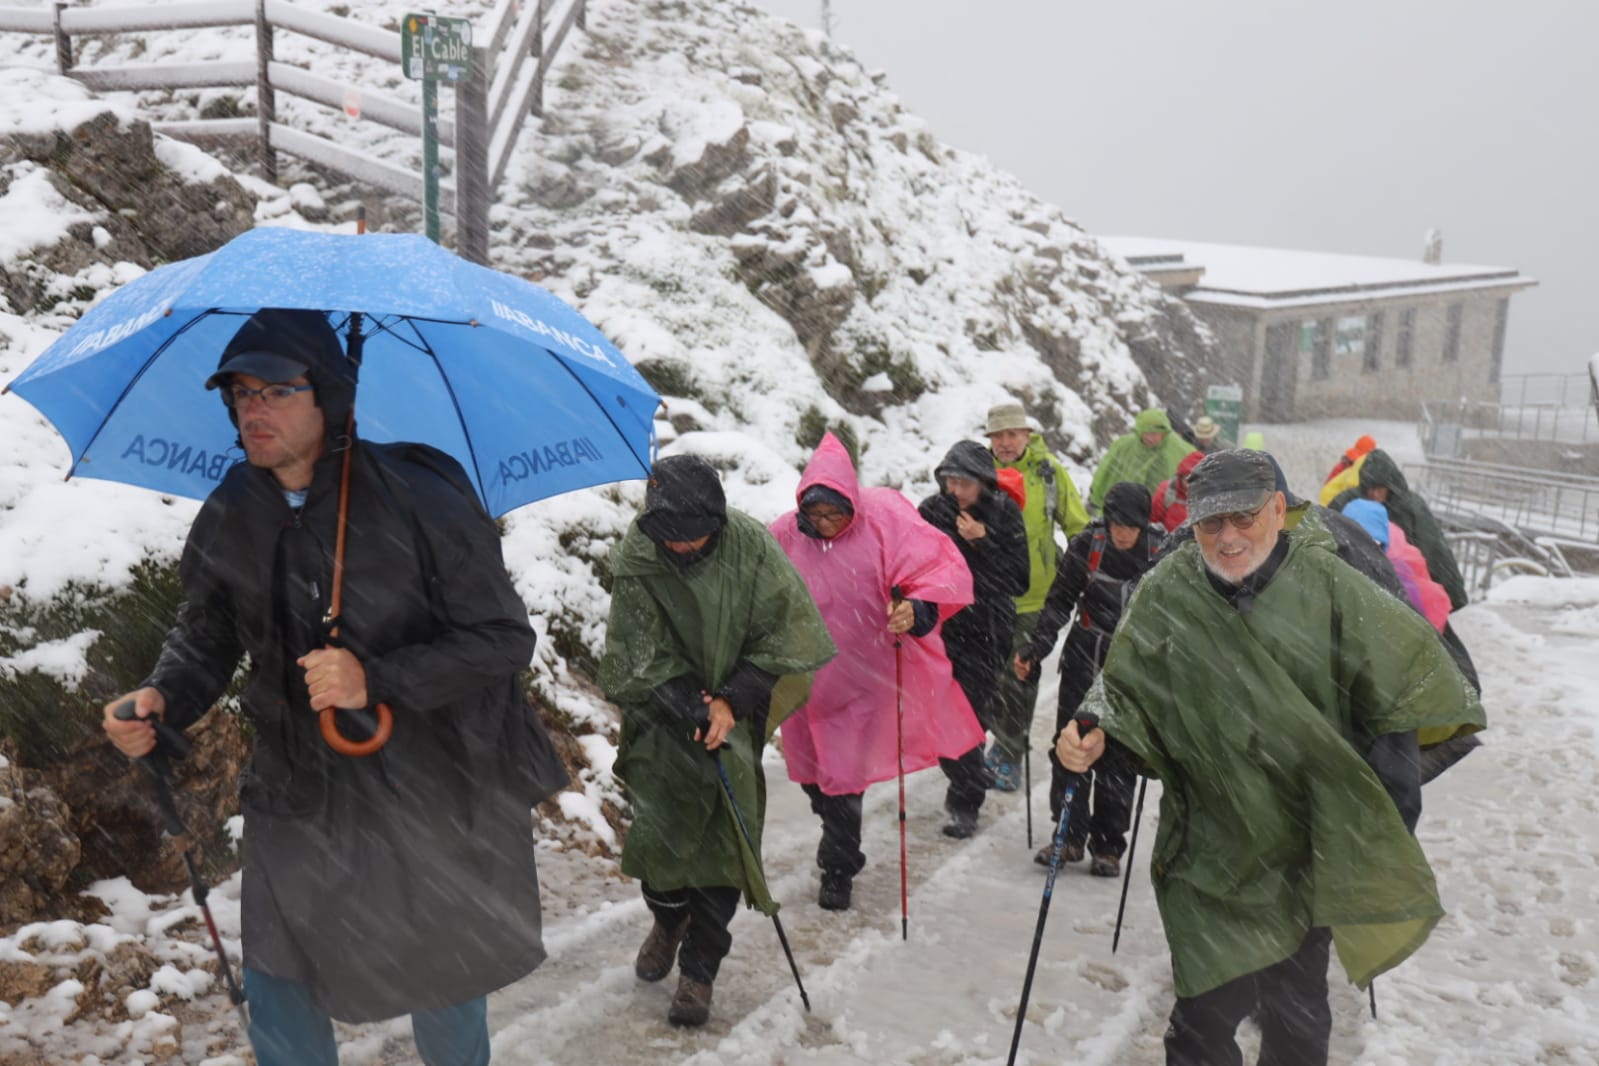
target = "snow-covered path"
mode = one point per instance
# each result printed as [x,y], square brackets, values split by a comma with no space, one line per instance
[1510,976]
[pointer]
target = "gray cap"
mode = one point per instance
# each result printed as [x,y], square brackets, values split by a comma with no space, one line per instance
[1007,415]
[1229,482]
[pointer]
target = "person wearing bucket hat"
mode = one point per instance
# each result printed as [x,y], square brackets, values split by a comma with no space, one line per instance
[362,898]
[1102,567]
[1050,503]
[1307,813]
[711,643]
[1206,434]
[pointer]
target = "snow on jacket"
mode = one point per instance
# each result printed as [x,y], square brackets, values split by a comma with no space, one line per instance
[844,737]
[740,603]
[1169,504]
[978,637]
[1129,459]
[403,880]
[1271,821]
[1040,470]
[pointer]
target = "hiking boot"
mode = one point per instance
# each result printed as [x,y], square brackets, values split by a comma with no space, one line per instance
[834,895]
[1071,853]
[1041,856]
[1105,866]
[1007,776]
[659,951]
[692,1003]
[961,824]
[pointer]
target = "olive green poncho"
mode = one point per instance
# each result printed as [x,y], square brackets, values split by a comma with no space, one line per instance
[1271,823]
[744,601]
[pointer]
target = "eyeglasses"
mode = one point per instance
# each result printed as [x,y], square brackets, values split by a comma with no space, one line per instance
[1238,520]
[830,517]
[271,395]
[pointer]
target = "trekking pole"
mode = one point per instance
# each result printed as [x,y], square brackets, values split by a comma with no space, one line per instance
[1027,787]
[899,743]
[170,742]
[1085,724]
[1127,874]
[1372,989]
[738,816]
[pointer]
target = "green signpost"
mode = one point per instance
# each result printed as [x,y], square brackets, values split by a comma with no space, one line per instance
[1225,404]
[433,49]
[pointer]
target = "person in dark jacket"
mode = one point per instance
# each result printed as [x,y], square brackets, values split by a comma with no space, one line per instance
[402,882]
[987,527]
[1383,481]
[1103,564]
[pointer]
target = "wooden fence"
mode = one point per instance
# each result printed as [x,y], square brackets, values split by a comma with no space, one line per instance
[506,86]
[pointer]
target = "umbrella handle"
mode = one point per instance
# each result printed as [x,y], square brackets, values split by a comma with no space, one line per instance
[344,746]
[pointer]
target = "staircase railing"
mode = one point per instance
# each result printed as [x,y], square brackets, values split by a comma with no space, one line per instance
[507,86]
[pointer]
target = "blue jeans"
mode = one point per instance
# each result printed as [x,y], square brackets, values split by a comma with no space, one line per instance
[287,1028]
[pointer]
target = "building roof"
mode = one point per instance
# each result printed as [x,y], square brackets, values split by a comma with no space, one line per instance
[1242,276]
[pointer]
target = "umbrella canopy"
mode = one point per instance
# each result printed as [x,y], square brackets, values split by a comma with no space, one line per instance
[513,383]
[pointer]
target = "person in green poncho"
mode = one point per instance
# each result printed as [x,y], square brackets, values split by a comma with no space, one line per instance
[1277,694]
[1148,455]
[712,641]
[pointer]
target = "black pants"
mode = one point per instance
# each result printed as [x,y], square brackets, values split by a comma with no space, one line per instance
[1101,825]
[840,849]
[709,910]
[1289,999]
[968,777]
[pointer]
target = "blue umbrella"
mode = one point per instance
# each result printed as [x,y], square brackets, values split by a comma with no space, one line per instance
[513,383]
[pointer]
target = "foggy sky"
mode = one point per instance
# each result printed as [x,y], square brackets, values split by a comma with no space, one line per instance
[1343,127]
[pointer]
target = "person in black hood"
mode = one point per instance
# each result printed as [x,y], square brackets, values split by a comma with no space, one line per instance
[1102,565]
[402,881]
[987,527]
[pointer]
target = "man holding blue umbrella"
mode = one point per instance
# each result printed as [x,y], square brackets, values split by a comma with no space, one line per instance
[401,881]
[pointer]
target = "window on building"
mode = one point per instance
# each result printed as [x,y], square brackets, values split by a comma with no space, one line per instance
[1407,326]
[1497,357]
[1316,341]
[1371,363]
[1452,332]
[1350,337]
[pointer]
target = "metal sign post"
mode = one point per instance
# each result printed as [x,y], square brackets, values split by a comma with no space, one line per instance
[433,49]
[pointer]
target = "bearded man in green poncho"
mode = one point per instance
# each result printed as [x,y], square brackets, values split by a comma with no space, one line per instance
[1277,693]
[712,641]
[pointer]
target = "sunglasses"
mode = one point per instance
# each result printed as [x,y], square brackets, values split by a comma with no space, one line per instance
[1238,520]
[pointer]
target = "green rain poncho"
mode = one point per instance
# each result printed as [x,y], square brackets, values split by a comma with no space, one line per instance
[744,601]
[1271,823]
[1128,459]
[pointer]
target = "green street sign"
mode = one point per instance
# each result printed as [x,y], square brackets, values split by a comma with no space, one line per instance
[433,48]
[1225,403]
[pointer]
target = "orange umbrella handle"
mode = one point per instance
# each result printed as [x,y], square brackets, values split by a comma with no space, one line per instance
[338,742]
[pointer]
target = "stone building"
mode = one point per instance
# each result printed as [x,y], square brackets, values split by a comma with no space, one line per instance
[1314,335]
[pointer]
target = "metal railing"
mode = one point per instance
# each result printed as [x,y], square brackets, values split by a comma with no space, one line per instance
[506,86]
[1536,502]
[1531,407]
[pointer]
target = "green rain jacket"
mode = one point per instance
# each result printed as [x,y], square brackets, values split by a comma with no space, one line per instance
[743,601]
[1271,823]
[1128,460]
[1036,464]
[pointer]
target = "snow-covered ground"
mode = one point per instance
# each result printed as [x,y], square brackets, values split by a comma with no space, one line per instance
[1510,976]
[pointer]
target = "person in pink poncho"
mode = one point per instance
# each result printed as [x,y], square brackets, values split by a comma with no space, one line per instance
[854,546]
